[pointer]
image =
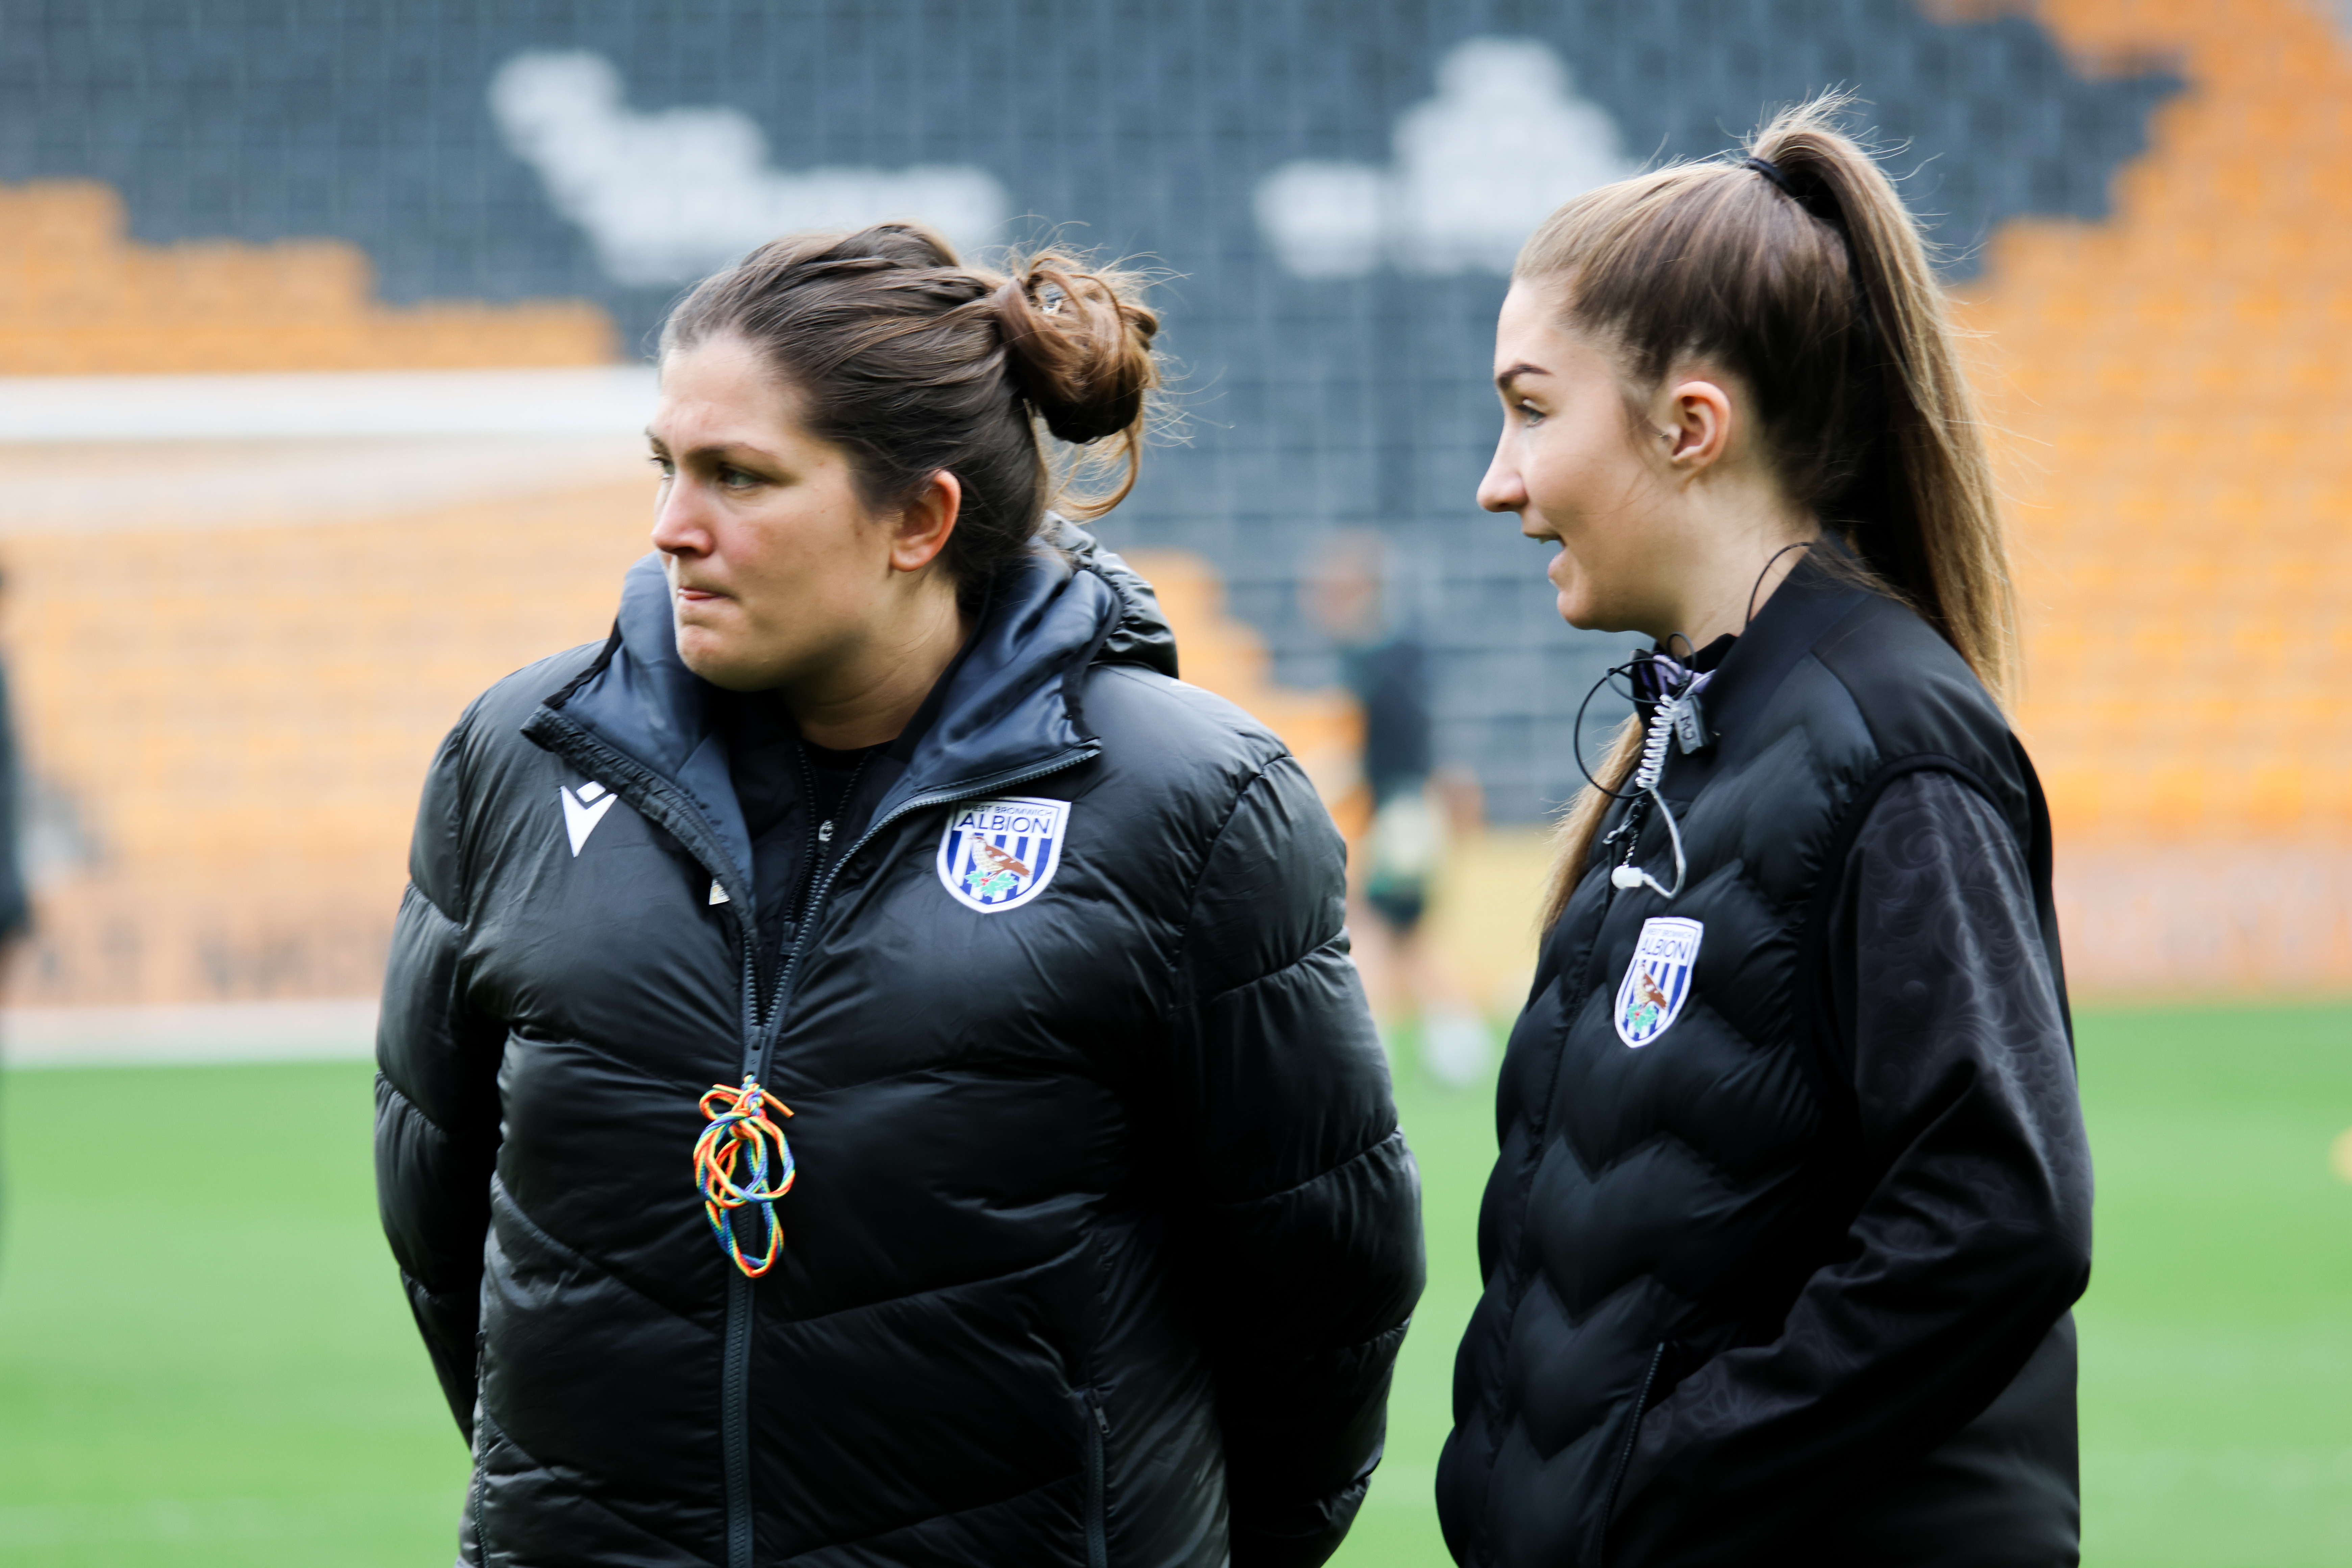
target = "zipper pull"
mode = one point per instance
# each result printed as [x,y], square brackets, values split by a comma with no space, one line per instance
[1690,724]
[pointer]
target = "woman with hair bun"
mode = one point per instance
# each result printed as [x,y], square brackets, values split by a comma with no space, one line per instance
[1793,1198]
[871,1071]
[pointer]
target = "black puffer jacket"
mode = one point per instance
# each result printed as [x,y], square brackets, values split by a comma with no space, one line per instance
[1793,1194]
[1104,1237]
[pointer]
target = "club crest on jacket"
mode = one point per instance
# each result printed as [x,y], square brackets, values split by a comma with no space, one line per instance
[1658,981]
[997,855]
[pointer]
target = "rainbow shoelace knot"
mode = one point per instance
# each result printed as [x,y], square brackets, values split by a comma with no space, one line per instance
[738,1122]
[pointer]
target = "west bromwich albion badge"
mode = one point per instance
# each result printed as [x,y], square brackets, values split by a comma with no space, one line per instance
[997,855]
[1658,982]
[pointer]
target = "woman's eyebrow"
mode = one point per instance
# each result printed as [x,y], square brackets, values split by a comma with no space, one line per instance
[1502,378]
[723,452]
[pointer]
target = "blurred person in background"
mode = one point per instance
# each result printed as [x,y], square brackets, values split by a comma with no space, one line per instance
[1793,1197]
[879,837]
[1402,852]
[15,898]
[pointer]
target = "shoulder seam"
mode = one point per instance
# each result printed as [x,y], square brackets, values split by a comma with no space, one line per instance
[408,1101]
[1192,894]
[461,743]
[1253,729]
[1274,973]
[428,901]
[1393,1133]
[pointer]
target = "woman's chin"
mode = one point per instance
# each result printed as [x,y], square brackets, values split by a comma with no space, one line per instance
[1579,611]
[1588,613]
[717,661]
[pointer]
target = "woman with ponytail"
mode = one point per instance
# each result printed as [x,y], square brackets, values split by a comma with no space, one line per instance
[871,1072]
[1793,1198]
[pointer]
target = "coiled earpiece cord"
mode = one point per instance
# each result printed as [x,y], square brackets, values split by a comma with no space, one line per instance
[1672,693]
[1626,875]
[1674,715]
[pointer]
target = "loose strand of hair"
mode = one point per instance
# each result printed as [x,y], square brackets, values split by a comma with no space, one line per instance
[1579,823]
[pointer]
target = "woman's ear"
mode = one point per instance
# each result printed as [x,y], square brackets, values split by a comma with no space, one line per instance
[923,527]
[1695,415]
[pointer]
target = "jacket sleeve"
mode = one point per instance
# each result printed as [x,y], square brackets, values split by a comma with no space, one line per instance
[1298,1203]
[1973,1236]
[436,1098]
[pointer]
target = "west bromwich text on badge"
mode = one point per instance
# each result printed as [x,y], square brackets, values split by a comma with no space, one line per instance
[997,855]
[1658,980]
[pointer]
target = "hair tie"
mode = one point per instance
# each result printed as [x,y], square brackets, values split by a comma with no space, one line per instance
[1011,305]
[1771,171]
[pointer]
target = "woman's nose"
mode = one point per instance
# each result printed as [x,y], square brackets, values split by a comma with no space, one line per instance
[678,529]
[1502,490]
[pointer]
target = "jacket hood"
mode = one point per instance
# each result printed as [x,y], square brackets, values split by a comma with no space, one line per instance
[1010,707]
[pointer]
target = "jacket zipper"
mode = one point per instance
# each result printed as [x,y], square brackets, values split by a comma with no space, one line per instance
[474,1501]
[1625,1455]
[1658,1354]
[1097,1483]
[734,1403]
[762,1027]
[1573,988]
[734,1393]
[479,1445]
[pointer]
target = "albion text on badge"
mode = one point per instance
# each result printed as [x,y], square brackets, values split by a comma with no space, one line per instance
[997,855]
[1658,982]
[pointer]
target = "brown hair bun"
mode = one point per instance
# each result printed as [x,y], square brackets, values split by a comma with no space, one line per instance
[1080,349]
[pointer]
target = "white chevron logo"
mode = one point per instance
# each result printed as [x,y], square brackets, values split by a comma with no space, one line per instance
[583,810]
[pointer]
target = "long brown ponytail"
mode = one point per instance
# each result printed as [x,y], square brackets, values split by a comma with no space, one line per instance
[1808,279]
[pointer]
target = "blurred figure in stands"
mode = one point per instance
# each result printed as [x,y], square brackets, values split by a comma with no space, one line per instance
[16,907]
[1402,852]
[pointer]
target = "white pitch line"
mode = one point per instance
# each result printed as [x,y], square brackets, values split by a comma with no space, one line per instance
[187,1034]
[592,400]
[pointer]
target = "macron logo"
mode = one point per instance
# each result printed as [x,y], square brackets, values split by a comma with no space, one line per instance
[583,809]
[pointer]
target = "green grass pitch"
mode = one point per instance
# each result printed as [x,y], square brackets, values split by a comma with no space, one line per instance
[205,1358]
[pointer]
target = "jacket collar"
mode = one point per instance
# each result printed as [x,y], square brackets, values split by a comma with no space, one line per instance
[1810,600]
[1011,707]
